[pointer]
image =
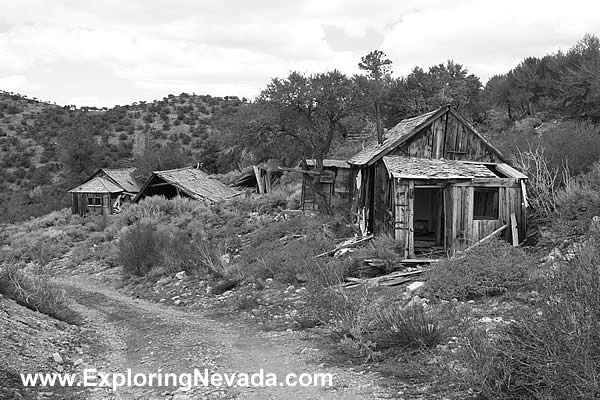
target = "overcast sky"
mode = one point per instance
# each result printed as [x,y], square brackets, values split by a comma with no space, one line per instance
[111,52]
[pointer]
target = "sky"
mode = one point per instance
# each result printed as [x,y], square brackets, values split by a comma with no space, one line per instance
[103,53]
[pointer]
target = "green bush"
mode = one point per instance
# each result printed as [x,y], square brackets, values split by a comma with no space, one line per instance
[490,269]
[36,292]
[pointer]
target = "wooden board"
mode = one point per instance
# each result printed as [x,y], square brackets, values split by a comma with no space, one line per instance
[514,229]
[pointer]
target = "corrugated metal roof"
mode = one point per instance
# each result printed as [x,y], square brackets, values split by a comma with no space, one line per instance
[197,184]
[428,168]
[329,162]
[124,178]
[403,129]
[97,185]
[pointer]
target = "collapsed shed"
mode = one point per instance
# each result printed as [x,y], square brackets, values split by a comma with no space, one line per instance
[260,179]
[436,185]
[335,181]
[188,182]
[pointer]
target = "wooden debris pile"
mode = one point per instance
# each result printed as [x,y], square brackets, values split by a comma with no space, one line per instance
[394,279]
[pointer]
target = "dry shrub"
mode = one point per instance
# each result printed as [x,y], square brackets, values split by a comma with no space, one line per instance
[579,200]
[543,182]
[410,327]
[489,269]
[549,352]
[140,249]
[36,292]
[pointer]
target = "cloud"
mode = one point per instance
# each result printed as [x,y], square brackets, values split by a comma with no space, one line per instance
[488,39]
[113,51]
[13,82]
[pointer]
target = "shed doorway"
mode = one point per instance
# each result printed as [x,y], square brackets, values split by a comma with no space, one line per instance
[428,220]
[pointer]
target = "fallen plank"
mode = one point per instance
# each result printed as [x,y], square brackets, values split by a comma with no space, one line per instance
[514,230]
[418,261]
[344,246]
[485,239]
[393,279]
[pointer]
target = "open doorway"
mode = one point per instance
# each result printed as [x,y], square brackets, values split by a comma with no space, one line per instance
[428,220]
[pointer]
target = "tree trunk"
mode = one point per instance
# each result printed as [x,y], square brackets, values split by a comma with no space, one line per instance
[378,122]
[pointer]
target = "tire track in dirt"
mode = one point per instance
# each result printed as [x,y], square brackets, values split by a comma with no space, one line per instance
[148,337]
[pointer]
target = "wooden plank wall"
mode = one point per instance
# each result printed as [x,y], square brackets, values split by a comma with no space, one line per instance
[452,140]
[402,214]
[463,230]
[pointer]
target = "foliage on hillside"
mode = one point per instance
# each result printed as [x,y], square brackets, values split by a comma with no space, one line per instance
[46,149]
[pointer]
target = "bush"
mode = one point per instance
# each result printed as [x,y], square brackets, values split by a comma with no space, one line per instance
[37,293]
[552,352]
[490,269]
[140,249]
[579,200]
[408,327]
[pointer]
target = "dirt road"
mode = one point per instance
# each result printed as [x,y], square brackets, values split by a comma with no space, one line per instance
[148,338]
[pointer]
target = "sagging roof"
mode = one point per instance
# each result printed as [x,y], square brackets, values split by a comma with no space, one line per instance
[124,178]
[195,183]
[406,129]
[329,163]
[392,138]
[428,168]
[97,185]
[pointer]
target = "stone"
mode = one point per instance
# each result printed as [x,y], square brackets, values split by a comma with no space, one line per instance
[163,281]
[414,286]
[57,358]
[180,275]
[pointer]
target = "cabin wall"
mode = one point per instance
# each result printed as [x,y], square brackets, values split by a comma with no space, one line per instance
[449,138]
[80,204]
[461,228]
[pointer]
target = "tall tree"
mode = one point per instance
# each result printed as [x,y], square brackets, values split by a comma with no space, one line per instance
[378,68]
[306,113]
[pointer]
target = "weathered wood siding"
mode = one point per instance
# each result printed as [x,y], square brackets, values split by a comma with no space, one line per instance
[447,137]
[80,204]
[461,229]
[403,227]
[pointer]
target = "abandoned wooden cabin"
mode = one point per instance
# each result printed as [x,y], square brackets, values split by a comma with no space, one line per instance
[335,182]
[104,192]
[188,182]
[437,186]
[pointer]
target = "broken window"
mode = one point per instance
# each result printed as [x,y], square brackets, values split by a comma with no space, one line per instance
[94,200]
[485,203]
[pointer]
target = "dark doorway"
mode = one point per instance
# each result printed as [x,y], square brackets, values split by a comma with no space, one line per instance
[428,220]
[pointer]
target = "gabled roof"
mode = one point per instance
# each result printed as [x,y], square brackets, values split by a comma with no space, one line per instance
[195,183]
[329,163]
[124,178]
[97,185]
[406,129]
[428,168]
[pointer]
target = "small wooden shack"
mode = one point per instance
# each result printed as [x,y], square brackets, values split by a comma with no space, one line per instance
[104,192]
[437,186]
[188,182]
[335,182]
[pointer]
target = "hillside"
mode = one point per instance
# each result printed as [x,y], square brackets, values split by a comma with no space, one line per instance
[46,149]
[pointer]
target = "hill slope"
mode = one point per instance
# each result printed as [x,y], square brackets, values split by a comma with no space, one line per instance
[46,149]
